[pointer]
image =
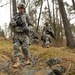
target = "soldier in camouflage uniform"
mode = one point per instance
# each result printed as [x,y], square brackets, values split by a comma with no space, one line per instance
[34,38]
[20,38]
[46,36]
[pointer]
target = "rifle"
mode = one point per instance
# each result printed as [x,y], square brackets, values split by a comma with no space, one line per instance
[21,23]
[51,34]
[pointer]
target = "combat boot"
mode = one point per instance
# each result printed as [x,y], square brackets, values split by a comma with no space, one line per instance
[17,64]
[47,46]
[28,62]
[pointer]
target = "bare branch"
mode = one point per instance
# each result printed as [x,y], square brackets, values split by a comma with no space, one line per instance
[4,4]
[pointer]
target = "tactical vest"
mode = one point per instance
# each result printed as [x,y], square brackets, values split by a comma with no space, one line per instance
[20,28]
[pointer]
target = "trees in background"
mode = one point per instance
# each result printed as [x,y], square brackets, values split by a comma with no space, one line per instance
[58,13]
[1,32]
[73,2]
[14,7]
[68,32]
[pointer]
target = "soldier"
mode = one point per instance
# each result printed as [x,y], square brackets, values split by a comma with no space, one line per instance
[35,38]
[46,36]
[20,26]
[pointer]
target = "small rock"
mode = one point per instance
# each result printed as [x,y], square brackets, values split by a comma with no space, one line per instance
[45,72]
[51,73]
[6,63]
[59,70]
[53,61]
[41,72]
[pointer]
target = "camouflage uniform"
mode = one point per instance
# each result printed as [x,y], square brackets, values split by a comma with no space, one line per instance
[34,38]
[21,27]
[19,37]
[46,36]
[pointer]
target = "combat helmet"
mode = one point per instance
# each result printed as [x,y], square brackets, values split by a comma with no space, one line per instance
[21,5]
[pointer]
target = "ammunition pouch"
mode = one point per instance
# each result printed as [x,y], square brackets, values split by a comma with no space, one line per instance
[19,29]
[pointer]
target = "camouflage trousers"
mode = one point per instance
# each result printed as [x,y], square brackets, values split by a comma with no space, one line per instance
[24,47]
[47,42]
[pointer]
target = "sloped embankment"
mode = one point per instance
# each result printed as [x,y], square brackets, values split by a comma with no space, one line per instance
[67,55]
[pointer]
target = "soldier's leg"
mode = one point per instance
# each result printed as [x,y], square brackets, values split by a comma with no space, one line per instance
[44,41]
[16,48]
[47,41]
[17,54]
[26,52]
[43,44]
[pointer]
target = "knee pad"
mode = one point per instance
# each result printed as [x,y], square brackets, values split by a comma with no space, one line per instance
[25,50]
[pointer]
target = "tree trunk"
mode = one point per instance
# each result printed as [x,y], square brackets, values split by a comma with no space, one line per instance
[73,2]
[29,7]
[14,7]
[10,10]
[69,36]
[49,13]
[35,17]
[54,19]
[10,17]
[39,15]
[61,29]
[57,25]
[23,1]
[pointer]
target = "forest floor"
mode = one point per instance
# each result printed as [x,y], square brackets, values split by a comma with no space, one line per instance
[67,55]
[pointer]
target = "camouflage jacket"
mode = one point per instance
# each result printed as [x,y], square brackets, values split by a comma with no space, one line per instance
[45,29]
[18,32]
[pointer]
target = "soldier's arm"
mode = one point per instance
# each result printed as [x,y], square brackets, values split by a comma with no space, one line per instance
[30,25]
[43,32]
[12,22]
[29,20]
